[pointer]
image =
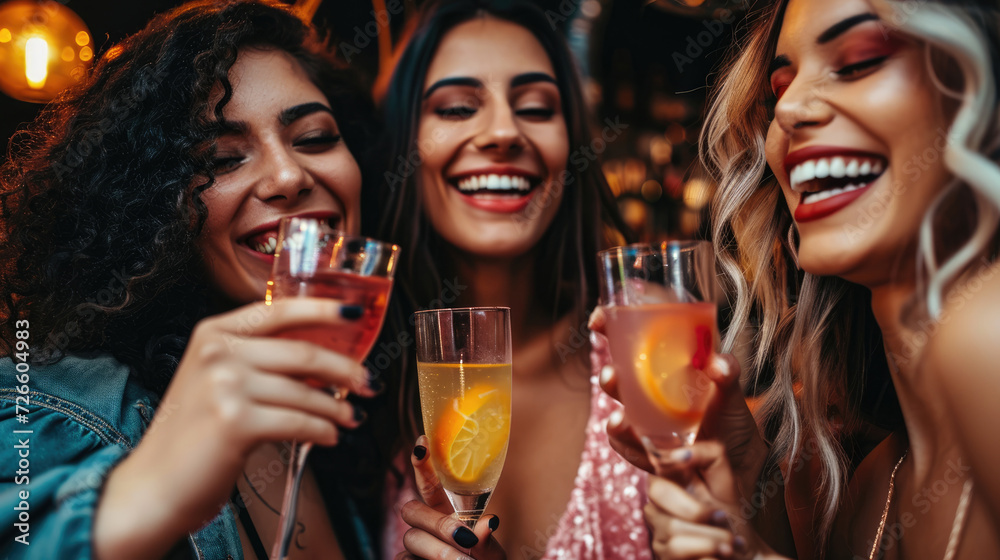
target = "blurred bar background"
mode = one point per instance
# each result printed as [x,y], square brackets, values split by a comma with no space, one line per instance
[648,66]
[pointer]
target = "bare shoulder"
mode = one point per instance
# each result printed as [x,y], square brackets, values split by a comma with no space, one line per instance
[964,344]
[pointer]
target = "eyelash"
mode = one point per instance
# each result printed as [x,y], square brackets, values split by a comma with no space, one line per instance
[853,69]
[457,112]
[540,112]
[462,112]
[222,165]
[319,140]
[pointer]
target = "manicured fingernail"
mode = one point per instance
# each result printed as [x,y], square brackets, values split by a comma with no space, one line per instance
[725,549]
[359,413]
[494,523]
[375,383]
[616,418]
[465,538]
[690,489]
[681,455]
[420,452]
[720,518]
[606,373]
[351,312]
[721,365]
[739,543]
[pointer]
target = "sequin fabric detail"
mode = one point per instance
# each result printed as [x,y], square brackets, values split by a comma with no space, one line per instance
[603,519]
[604,516]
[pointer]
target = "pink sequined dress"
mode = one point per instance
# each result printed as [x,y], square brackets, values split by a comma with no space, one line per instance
[604,516]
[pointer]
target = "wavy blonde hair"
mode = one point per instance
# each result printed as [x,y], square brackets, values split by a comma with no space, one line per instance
[819,331]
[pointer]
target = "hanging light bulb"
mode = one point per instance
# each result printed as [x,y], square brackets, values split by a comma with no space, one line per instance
[44,48]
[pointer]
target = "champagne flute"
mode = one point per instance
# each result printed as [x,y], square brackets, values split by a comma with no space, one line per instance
[464,376]
[313,260]
[661,327]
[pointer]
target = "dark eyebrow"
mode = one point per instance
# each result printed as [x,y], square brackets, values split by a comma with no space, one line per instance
[779,62]
[291,114]
[459,81]
[838,29]
[530,78]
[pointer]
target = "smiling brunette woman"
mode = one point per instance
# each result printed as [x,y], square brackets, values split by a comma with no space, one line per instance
[487,95]
[876,174]
[138,214]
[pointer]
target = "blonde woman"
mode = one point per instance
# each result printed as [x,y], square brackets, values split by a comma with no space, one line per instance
[856,147]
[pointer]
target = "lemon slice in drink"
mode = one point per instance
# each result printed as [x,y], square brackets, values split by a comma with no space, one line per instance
[473,432]
[670,376]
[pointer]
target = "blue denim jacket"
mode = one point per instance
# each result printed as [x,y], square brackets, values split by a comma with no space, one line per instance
[84,415]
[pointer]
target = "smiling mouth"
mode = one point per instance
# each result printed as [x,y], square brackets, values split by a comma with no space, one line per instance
[266,242]
[495,185]
[822,178]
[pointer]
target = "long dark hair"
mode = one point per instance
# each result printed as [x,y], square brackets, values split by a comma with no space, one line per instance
[97,206]
[586,221]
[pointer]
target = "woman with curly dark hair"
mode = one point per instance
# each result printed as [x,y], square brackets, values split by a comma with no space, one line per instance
[138,214]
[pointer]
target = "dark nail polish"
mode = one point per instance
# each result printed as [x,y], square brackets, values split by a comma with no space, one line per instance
[681,455]
[720,518]
[494,523]
[359,414]
[351,312]
[375,384]
[465,538]
[739,543]
[420,452]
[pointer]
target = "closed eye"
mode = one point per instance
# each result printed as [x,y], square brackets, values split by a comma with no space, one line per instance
[318,141]
[455,112]
[536,112]
[854,70]
[225,164]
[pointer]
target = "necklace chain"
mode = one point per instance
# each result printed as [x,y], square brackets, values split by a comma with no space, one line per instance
[956,527]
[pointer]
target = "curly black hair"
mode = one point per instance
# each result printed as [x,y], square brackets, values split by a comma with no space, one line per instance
[100,201]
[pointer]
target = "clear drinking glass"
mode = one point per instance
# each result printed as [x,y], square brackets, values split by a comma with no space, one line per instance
[313,260]
[661,327]
[464,375]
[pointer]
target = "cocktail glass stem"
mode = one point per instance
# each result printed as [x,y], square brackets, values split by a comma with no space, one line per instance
[469,507]
[290,502]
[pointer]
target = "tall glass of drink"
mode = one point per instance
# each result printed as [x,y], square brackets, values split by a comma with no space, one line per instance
[661,328]
[313,260]
[464,376]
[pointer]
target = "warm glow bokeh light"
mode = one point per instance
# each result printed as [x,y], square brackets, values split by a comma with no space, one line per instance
[44,49]
[36,62]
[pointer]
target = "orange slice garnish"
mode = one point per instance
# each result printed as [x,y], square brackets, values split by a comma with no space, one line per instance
[473,432]
[672,378]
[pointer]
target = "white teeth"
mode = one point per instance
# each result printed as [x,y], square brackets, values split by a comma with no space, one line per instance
[808,173]
[494,183]
[836,167]
[268,247]
[811,198]
[822,169]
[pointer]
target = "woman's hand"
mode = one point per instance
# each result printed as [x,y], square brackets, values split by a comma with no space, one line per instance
[435,533]
[692,513]
[237,386]
[727,418]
